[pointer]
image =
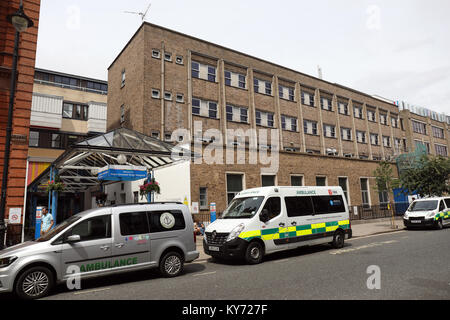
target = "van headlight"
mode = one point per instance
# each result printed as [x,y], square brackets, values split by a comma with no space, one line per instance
[4,262]
[431,215]
[405,215]
[235,232]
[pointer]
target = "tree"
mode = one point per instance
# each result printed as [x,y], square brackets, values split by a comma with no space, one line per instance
[385,182]
[428,177]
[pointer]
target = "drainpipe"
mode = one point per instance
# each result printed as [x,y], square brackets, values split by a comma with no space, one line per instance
[12,93]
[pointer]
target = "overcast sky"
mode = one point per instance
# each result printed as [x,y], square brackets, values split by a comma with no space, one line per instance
[396,49]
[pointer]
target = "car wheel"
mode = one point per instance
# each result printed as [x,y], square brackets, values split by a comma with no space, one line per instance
[171,264]
[338,240]
[254,253]
[34,283]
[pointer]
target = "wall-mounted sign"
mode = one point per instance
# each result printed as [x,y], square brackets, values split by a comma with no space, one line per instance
[194,208]
[122,173]
[15,215]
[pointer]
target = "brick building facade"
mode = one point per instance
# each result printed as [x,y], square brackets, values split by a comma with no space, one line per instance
[22,103]
[165,80]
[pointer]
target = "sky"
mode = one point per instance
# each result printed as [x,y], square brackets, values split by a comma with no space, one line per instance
[395,49]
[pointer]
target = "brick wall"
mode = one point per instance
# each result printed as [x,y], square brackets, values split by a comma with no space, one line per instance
[22,103]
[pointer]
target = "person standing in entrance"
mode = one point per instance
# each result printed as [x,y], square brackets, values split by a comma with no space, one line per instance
[46,221]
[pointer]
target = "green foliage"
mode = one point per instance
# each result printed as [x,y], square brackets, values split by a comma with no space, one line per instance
[384,178]
[429,177]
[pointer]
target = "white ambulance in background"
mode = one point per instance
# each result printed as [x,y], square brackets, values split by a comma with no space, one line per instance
[265,220]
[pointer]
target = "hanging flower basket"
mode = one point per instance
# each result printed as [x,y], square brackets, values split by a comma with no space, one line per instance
[149,187]
[55,185]
[100,197]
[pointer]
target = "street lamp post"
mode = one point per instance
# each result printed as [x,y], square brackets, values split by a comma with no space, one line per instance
[21,22]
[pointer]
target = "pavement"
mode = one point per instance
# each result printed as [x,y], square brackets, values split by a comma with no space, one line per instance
[360,228]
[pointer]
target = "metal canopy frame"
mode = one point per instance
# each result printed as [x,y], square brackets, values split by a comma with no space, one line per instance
[78,166]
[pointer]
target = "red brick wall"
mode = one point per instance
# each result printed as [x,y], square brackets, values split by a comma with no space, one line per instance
[22,103]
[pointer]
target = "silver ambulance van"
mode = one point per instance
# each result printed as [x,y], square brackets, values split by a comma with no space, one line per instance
[269,219]
[100,242]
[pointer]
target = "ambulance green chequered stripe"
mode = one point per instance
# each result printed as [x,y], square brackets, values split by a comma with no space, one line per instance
[444,215]
[294,231]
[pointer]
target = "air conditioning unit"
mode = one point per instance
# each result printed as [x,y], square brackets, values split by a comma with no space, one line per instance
[331,152]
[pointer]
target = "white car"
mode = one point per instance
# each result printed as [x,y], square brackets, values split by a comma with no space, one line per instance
[428,212]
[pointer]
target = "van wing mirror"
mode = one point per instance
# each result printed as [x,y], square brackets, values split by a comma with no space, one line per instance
[264,215]
[73,238]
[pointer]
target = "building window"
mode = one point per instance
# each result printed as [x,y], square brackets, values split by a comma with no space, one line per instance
[75,111]
[310,127]
[374,139]
[329,131]
[386,141]
[419,127]
[168,96]
[289,123]
[180,97]
[156,54]
[268,180]
[155,93]
[397,145]
[237,114]
[394,122]
[365,192]
[325,103]
[168,56]
[438,132]
[423,145]
[346,134]
[357,112]
[308,99]
[286,93]
[343,108]
[262,86]
[343,183]
[264,119]
[234,185]
[441,150]
[179,60]
[383,197]
[235,79]
[203,198]
[321,181]
[155,134]
[122,114]
[203,71]
[296,181]
[34,139]
[361,136]
[123,78]
[371,116]
[204,108]
[168,136]
[383,119]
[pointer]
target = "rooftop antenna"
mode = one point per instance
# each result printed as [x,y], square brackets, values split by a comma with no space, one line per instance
[142,14]
[319,70]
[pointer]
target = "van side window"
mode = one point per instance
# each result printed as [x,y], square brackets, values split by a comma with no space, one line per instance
[273,205]
[132,223]
[328,204]
[92,229]
[447,202]
[170,220]
[441,205]
[299,206]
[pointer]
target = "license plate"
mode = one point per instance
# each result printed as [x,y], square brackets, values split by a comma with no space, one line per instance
[416,221]
[214,248]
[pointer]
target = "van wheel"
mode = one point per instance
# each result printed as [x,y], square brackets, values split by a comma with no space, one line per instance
[34,283]
[439,225]
[254,253]
[171,264]
[338,240]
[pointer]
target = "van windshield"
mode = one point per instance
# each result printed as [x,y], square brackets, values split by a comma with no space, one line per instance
[58,228]
[242,208]
[423,205]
